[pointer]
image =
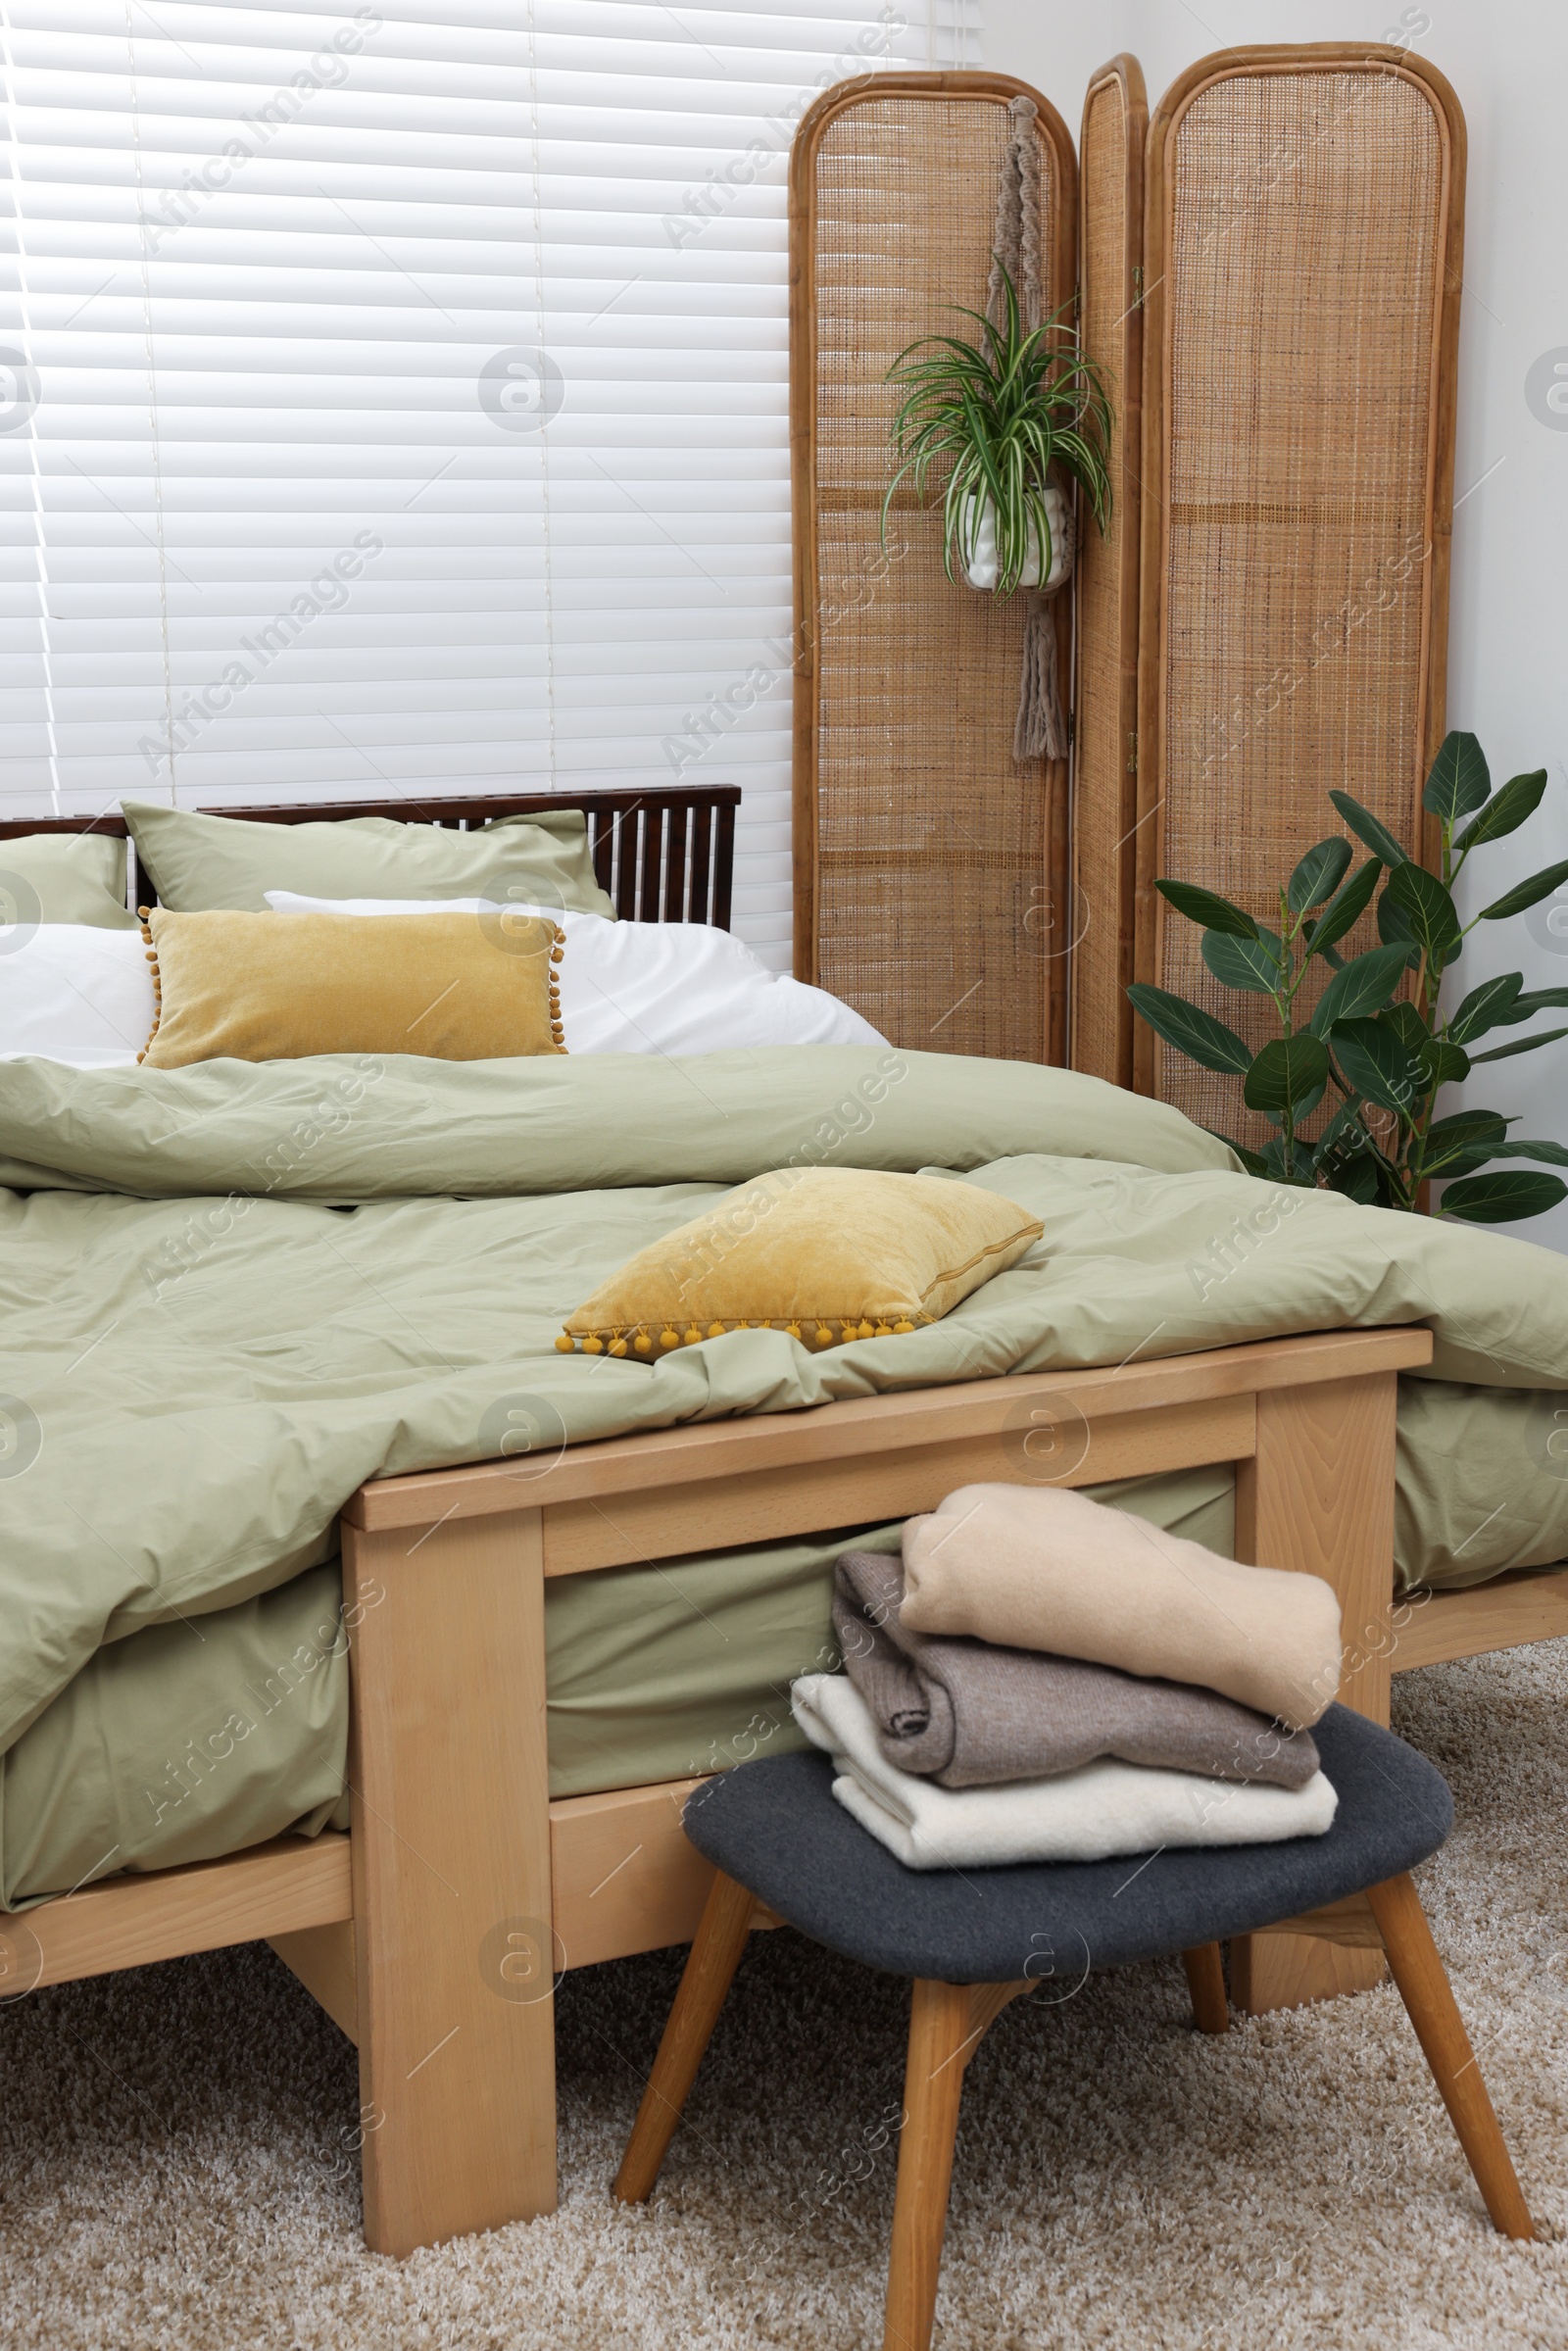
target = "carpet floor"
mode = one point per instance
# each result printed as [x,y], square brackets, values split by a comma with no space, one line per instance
[177,2164]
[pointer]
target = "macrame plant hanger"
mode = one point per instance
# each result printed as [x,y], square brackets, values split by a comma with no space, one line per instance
[1040,728]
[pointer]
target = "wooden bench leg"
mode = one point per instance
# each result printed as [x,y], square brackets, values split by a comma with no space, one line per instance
[1318,1496]
[454,1957]
[709,1970]
[1206,1981]
[1424,1987]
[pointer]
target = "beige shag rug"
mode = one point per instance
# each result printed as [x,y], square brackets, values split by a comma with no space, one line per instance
[174,2169]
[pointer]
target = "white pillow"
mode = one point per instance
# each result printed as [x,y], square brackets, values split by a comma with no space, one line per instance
[75,993]
[650,987]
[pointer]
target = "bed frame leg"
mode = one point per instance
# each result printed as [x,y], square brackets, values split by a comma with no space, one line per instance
[1318,1496]
[455,1948]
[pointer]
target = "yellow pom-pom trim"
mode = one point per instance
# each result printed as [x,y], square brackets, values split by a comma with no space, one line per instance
[663,1337]
[566,1344]
[557,950]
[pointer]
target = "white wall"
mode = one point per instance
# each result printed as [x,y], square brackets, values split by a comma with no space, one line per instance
[1508,631]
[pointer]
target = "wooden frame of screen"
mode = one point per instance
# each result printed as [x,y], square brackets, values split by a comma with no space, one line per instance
[999,89]
[1165,125]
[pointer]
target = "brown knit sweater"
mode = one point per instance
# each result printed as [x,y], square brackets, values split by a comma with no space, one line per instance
[967,1714]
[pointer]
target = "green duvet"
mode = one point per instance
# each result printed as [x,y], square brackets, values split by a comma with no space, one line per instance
[232,1293]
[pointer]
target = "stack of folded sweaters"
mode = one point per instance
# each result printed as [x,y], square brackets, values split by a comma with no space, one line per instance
[1040,1678]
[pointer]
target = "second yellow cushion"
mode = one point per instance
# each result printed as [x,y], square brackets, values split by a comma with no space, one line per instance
[824,1253]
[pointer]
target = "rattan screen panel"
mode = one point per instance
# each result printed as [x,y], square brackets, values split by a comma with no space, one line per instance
[1302,256]
[930,869]
[1104,789]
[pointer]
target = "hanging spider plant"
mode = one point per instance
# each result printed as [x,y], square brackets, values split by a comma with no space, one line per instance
[1004,411]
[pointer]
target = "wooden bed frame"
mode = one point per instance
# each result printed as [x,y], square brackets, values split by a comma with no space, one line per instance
[435,1931]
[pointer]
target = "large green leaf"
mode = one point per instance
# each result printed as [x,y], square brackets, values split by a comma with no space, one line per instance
[1526,1045]
[1485,1006]
[1192,1032]
[1287,1077]
[1526,894]
[1555,1155]
[1241,963]
[1345,911]
[1466,1131]
[1429,908]
[1502,1196]
[1519,798]
[1407,1024]
[1538,1000]
[1362,986]
[1345,1159]
[1443,1063]
[1370,829]
[1459,781]
[1214,912]
[1357,1178]
[1393,923]
[1377,1063]
[1319,874]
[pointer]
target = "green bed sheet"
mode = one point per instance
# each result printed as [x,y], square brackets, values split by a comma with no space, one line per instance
[232,1293]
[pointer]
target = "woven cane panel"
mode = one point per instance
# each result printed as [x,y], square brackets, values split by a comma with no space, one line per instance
[1305,248]
[1103,779]
[931,845]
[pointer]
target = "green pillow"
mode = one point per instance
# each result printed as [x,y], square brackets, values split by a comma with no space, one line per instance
[200,863]
[64,877]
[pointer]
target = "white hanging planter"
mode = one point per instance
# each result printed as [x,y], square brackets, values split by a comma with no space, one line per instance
[982,569]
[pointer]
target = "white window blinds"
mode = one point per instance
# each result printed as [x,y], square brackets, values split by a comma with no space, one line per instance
[393,396]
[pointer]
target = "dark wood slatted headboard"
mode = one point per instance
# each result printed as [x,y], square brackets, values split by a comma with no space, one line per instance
[663,857]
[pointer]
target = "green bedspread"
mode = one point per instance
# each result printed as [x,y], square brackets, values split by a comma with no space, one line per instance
[230,1293]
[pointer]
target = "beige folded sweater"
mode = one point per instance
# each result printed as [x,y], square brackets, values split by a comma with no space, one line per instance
[1040,1568]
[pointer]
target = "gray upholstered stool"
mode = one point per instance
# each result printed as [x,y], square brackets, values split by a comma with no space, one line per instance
[973,1940]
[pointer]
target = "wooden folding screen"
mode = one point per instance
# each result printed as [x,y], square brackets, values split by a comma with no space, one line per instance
[930,869]
[1104,791]
[1302,264]
[1268,615]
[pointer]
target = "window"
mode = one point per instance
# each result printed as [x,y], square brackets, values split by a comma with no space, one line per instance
[393,396]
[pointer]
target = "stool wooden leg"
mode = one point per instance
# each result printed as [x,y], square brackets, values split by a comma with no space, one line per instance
[1206,1981]
[941,2037]
[1425,1990]
[715,1954]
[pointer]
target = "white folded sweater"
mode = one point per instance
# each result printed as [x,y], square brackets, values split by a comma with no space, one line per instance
[1085,1815]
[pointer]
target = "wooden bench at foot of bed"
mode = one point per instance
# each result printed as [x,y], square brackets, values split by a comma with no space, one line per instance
[435,1933]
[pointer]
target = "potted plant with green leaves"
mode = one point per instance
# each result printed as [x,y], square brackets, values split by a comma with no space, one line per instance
[1377,1047]
[1002,413]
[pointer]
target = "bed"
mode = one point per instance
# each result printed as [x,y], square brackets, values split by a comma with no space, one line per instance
[434,1930]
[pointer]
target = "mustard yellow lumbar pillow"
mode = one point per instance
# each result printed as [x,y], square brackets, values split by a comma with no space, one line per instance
[275,987]
[824,1253]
